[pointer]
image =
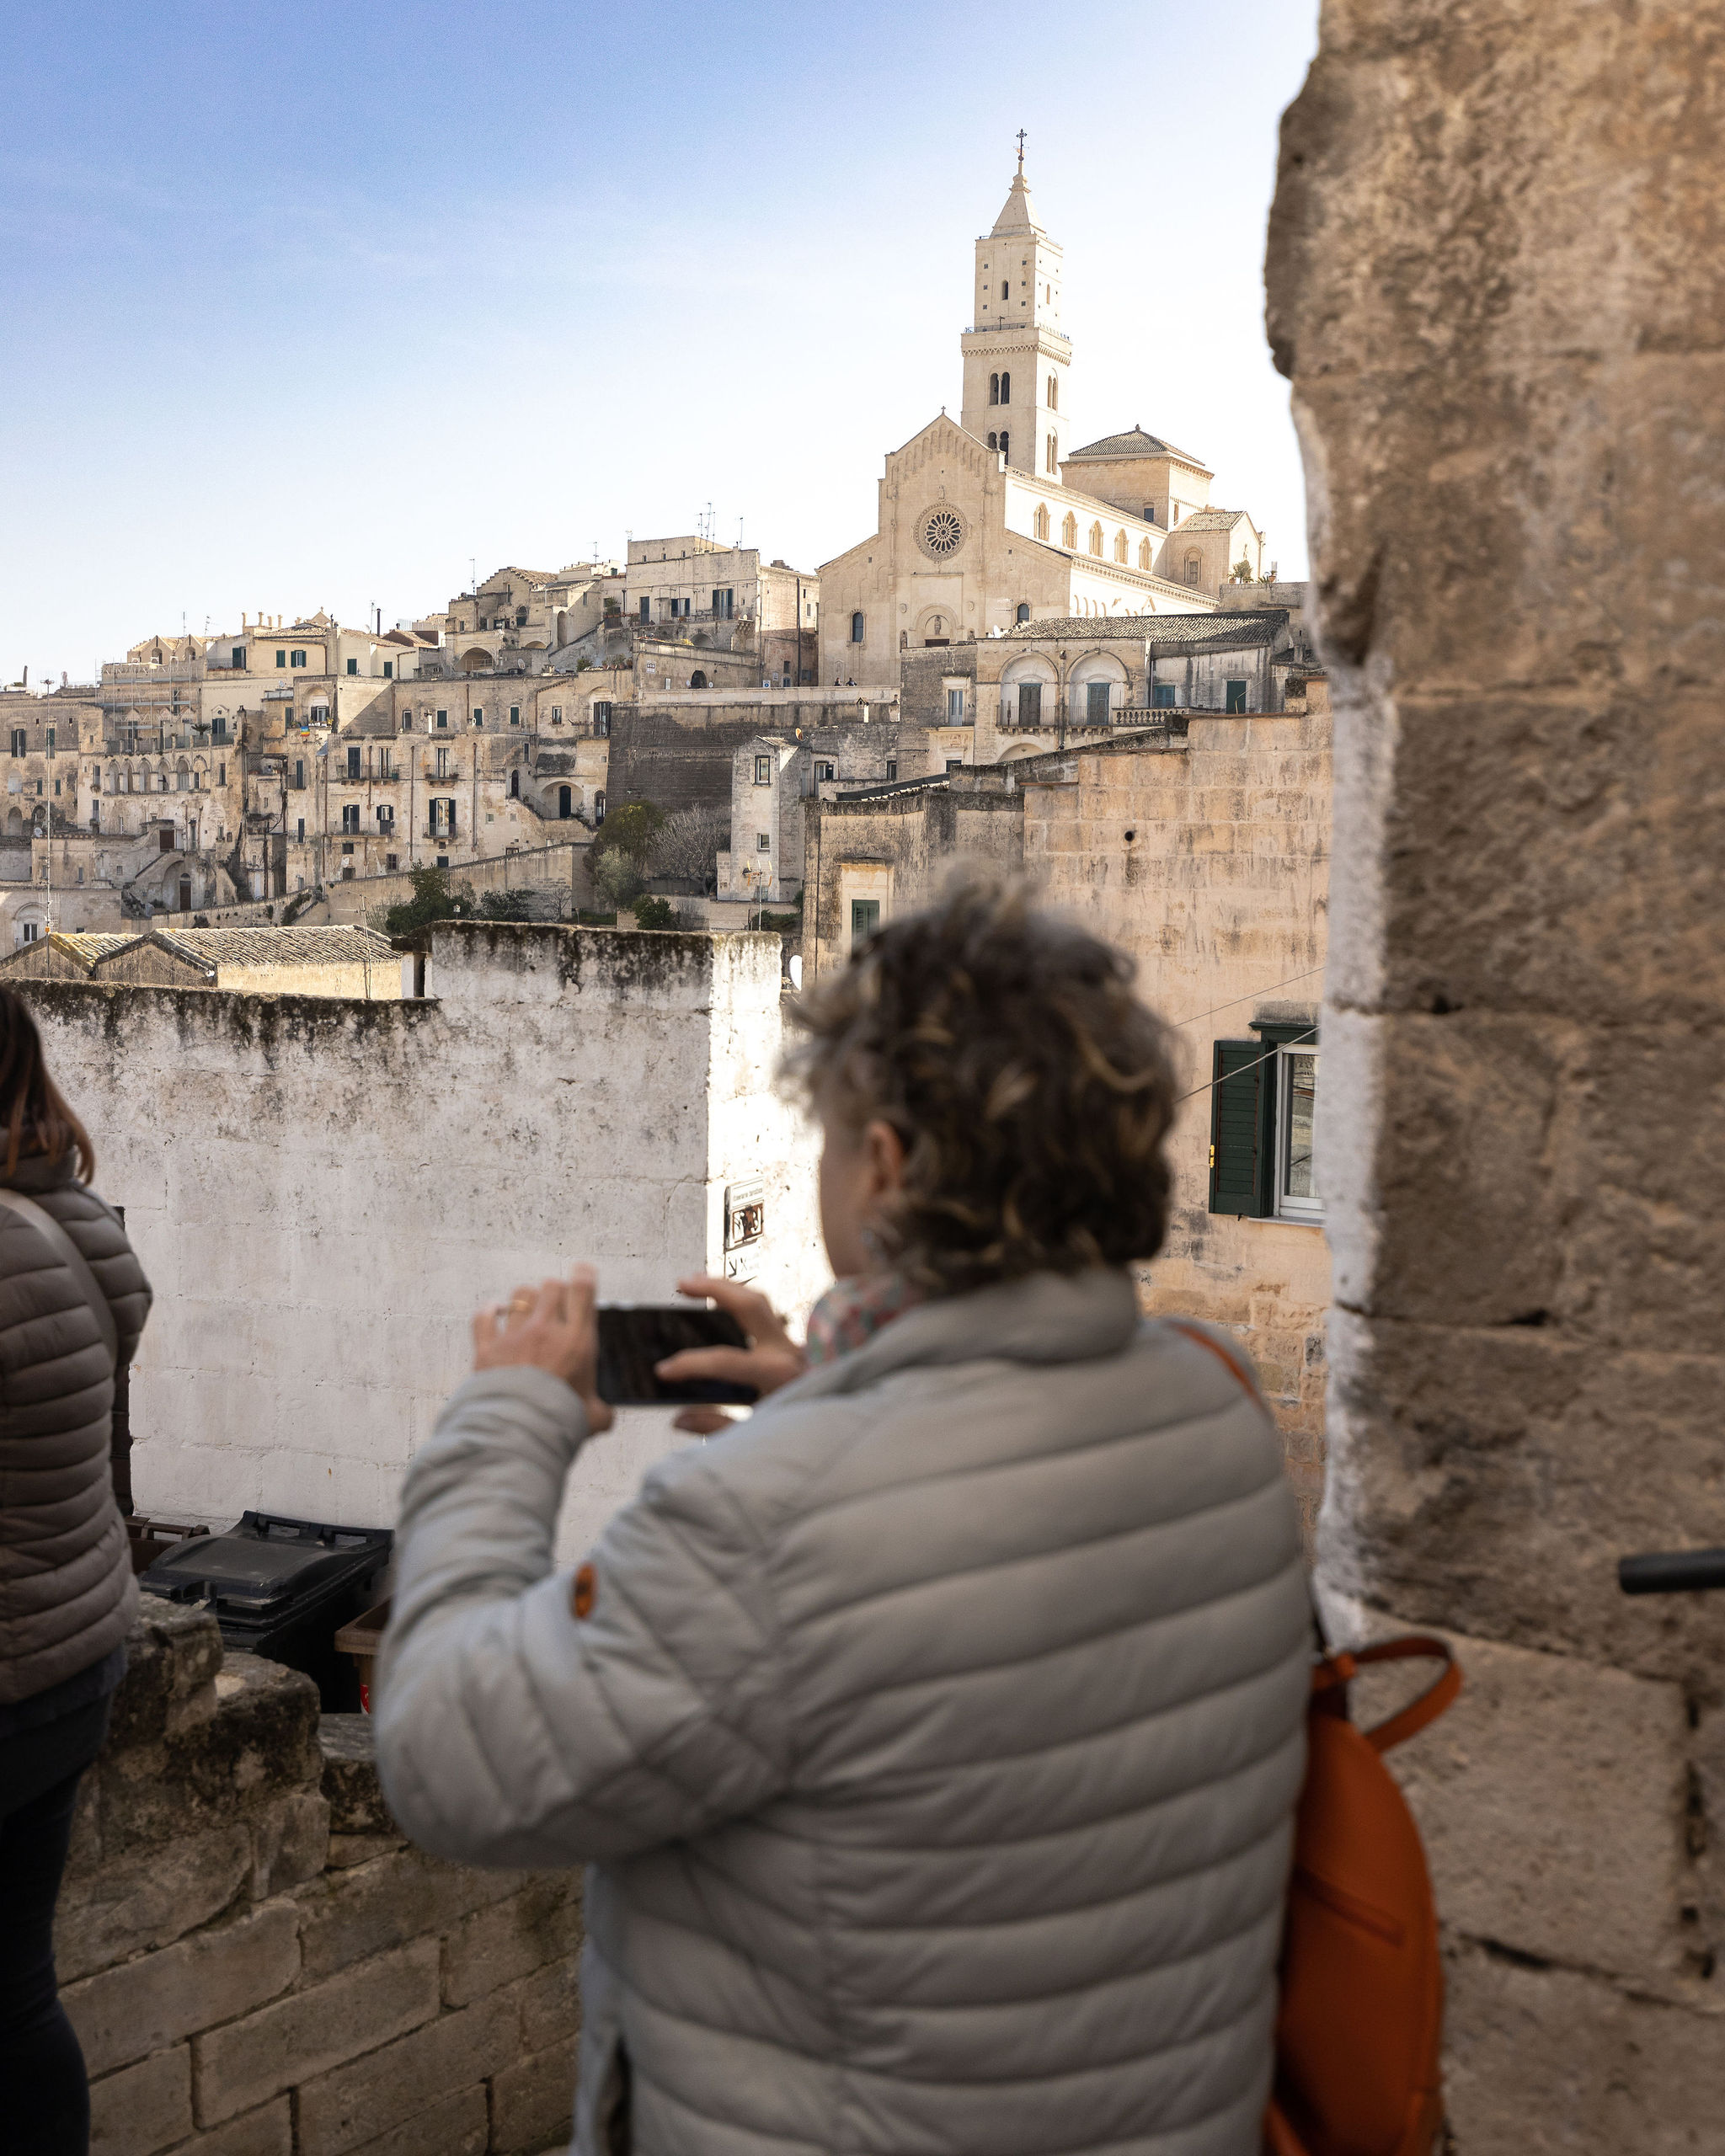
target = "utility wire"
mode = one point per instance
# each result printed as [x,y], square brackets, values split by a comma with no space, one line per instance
[1310,1033]
[1252,998]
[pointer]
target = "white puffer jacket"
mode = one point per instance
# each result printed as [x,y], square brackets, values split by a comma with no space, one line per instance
[936,1733]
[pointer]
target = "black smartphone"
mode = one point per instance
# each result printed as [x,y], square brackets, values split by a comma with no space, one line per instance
[634,1337]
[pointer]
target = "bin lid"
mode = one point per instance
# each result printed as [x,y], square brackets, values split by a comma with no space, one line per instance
[262,1563]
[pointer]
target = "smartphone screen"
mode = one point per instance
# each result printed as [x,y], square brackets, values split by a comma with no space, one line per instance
[634,1337]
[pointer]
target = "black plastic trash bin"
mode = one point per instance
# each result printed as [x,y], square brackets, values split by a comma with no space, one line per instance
[282,1588]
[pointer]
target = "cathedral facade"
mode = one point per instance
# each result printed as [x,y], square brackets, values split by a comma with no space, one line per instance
[990,520]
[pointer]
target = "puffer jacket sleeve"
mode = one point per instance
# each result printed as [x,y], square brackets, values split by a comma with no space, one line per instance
[512,1731]
[94,1227]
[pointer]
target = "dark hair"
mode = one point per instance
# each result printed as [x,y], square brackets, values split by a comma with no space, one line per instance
[1032,1090]
[35,1115]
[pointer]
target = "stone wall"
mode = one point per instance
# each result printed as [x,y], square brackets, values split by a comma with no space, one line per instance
[322,1192]
[1209,862]
[1204,856]
[1494,281]
[256,1962]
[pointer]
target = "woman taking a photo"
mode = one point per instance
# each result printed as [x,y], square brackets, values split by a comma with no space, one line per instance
[72,1302]
[935,1732]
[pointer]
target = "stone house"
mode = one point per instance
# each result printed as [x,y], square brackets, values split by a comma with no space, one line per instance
[344,960]
[773,777]
[1203,852]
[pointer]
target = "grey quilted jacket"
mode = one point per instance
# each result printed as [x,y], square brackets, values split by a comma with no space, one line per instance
[936,1736]
[66,1591]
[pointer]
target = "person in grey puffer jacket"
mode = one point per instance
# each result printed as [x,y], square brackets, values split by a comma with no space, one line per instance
[67,1596]
[935,1733]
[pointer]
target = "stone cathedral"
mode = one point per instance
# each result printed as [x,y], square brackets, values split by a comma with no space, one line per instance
[990,519]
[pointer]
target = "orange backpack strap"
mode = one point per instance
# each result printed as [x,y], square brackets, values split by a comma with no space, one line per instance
[1419,1713]
[1231,1363]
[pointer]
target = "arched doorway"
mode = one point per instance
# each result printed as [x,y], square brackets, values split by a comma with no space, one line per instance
[565,801]
[186,893]
[698,679]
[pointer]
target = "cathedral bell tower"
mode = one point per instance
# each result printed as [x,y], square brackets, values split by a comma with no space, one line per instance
[1016,353]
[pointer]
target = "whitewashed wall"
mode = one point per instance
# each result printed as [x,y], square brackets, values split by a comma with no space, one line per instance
[322,1192]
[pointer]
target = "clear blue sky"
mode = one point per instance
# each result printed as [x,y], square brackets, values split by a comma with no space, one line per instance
[314,306]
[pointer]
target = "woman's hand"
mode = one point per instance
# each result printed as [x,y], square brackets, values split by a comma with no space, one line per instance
[551,1328]
[771,1359]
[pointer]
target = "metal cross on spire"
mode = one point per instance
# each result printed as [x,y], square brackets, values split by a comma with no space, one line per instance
[1021,152]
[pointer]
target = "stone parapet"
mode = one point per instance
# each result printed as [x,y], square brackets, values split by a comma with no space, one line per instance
[257,1963]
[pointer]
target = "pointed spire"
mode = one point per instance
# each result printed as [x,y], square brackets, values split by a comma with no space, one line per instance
[1018,215]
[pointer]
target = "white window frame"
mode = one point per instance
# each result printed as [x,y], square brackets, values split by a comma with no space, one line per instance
[1286,1208]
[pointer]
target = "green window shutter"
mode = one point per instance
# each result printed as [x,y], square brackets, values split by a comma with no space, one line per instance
[1239,1161]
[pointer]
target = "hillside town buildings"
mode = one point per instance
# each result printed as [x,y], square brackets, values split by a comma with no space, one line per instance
[1059,658]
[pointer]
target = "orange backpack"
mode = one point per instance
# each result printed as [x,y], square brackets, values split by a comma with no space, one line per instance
[1360,2036]
[1360,2030]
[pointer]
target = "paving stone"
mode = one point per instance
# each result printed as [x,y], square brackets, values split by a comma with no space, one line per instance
[299,2037]
[540,1924]
[348,1915]
[267,2132]
[551,2005]
[362,2101]
[532,2103]
[141,2006]
[149,1899]
[142,2108]
[459,2126]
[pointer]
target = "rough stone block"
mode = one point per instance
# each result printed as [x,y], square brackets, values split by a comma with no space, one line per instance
[532,2104]
[266,2132]
[173,1654]
[1550,1798]
[362,2101]
[148,1900]
[258,1745]
[301,2037]
[347,1850]
[348,1915]
[144,2107]
[459,2126]
[356,1801]
[141,2006]
[551,2006]
[290,1842]
[1540,2059]
[539,1924]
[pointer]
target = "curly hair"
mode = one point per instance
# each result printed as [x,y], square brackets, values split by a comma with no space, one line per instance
[1032,1091]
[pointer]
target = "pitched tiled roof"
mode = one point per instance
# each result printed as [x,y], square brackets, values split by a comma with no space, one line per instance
[338,944]
[1167,631]
[1134,442]
[1210,520]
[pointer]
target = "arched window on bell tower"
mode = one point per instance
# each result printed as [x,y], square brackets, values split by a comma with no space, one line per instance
[1054,392]
[1005,389]
[994,389]
[1005,442]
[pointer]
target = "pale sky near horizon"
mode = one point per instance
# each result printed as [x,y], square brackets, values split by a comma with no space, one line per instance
[319,306]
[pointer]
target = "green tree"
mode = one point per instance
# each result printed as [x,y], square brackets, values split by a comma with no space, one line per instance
[629,830]
[505,905]
[433,900]
[655,913]
[617,878]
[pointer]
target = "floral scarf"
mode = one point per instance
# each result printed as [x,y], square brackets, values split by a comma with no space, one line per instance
[851,1312]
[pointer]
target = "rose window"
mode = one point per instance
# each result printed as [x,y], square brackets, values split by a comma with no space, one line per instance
[942,534]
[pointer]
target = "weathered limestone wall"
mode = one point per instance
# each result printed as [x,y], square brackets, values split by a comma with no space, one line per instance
[322,1193]
[258,1965]
[1494,279]
[1209,861]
